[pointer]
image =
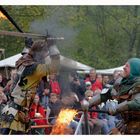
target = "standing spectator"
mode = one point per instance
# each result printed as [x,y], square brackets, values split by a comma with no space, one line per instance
[54,85]
[41,87]
[100,78]
[45,97]
[96,84]
[43,91]
[77,86]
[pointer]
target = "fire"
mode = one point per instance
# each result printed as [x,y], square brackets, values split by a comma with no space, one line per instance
[63,120]
[2,16]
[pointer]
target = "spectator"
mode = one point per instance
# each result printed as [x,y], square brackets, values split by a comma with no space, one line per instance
[37,113]
[96,84]
[55,106]
[3,81]
[3,98]
[105,81]
[88,85]
[111,120]
[54,85]
[116,74]
[41,87]
[45,97]
[97,125]
[70,102]
[100,78]
[77,86]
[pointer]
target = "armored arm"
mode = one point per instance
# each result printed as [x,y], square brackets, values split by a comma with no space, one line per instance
[129,105]
[102,97]
[96,100]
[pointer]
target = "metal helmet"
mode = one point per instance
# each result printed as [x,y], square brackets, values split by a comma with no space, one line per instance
[25,51]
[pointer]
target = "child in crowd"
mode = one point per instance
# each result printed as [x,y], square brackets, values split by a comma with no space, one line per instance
[97,126]
[55,106]
[37,114]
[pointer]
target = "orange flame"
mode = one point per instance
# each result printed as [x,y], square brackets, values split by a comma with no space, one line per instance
[2,16]
[63,120]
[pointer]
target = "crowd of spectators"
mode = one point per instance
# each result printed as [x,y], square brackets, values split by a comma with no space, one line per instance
[49,100]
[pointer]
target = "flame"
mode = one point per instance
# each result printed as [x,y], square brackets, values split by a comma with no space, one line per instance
[63,120]
[2,16]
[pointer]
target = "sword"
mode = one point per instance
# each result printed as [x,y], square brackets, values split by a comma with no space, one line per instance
[30,35]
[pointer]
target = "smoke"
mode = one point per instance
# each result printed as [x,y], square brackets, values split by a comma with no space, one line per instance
[53,25]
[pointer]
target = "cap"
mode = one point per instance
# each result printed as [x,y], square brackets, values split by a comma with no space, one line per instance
[88,83]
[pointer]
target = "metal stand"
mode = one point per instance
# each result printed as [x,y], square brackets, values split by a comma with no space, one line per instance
[86,122]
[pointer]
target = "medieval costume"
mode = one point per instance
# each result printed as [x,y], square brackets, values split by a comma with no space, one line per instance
[31,67]
[127,92]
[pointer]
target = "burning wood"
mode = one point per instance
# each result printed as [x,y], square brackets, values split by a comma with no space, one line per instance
[63,120]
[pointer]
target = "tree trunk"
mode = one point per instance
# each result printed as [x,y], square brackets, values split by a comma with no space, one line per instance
[133,34]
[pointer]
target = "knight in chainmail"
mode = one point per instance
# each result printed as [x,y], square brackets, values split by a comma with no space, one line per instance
[127,91]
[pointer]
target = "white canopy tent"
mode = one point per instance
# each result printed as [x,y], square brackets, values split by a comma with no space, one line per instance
[10,62]
[69,63]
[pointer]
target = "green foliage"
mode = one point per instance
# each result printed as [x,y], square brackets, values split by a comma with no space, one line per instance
[105,36]
[23,16]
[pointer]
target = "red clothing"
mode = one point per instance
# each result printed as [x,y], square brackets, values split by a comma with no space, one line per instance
[37,109]
[95,85]
[93,115]
[55,88]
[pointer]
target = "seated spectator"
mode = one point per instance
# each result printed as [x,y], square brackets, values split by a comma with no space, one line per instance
[3,98]
[72,102]
[37,114]
[105,81]
[3,80]
[111,120]
[116,74]
[55,106]
[88,85]
[97,126]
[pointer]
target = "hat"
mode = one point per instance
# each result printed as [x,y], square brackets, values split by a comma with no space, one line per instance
[88,83]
